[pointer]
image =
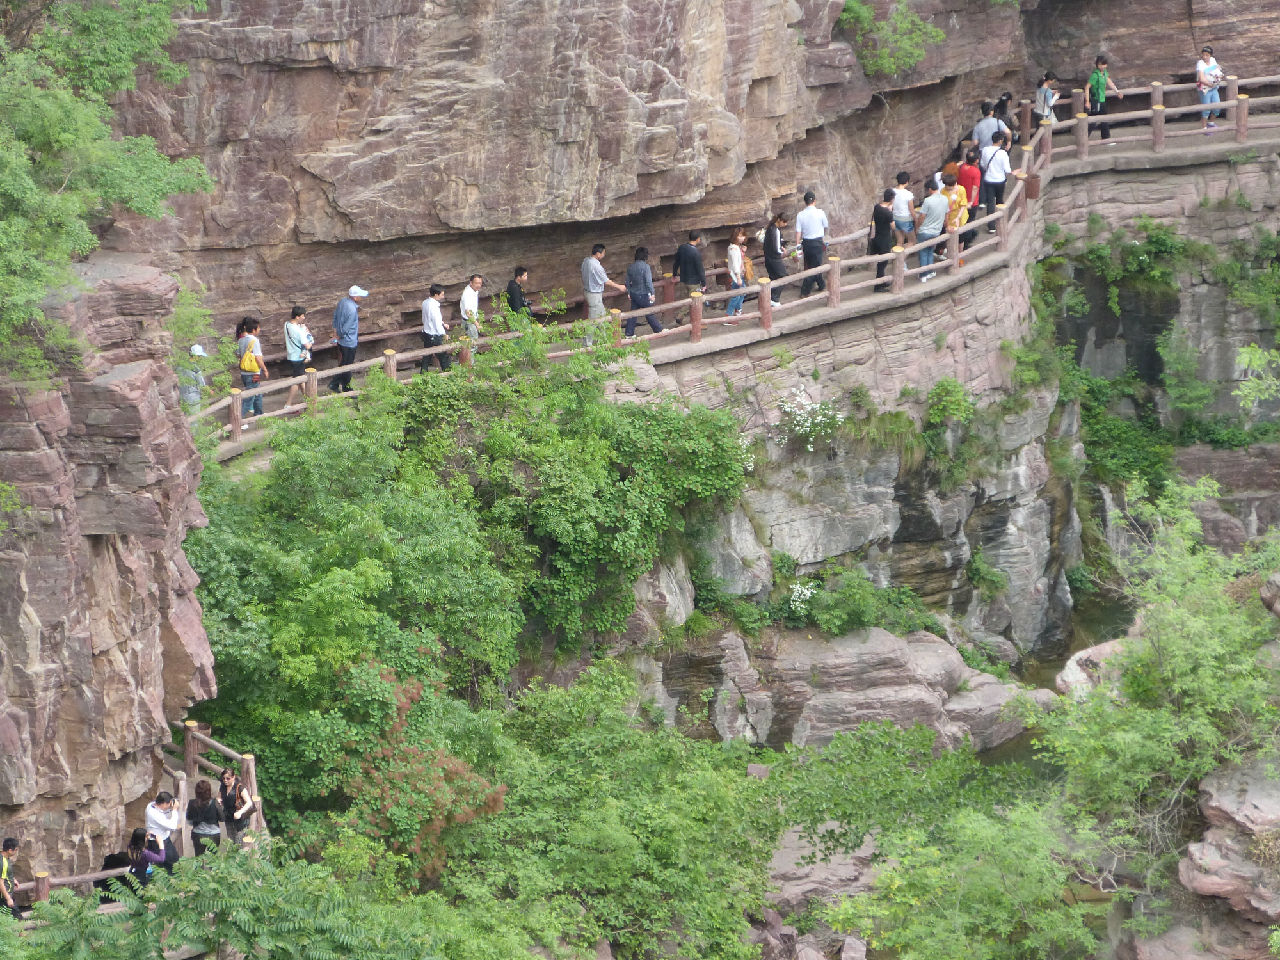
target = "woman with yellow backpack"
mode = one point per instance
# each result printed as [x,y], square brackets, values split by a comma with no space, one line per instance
[252,367]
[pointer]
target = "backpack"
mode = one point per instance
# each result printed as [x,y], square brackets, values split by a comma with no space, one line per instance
[248,361]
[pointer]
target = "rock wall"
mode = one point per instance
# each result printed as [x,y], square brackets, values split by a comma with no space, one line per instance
[100,635]
[401,143]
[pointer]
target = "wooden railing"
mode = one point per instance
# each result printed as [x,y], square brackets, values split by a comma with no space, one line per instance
[1033,171]
[192,761]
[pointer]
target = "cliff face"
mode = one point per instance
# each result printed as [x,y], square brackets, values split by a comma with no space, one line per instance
[402,144]
[100,633]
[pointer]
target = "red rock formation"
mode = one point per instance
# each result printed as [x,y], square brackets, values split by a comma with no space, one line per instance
[100,634]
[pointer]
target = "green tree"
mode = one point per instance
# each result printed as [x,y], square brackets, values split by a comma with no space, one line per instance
[62,169]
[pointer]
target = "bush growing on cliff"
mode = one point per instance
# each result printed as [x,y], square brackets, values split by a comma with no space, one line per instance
[62,170]
[891,46]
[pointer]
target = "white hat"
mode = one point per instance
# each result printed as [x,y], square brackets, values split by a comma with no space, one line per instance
[197,350]
[357,291]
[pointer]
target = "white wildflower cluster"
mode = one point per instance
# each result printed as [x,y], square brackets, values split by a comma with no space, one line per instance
[807,420]
[748,456]
[802,591]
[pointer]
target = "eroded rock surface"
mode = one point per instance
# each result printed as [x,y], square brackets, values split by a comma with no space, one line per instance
[100,633]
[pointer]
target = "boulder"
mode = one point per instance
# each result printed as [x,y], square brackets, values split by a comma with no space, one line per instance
[1087,668]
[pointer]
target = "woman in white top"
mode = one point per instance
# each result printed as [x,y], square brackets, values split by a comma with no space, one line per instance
[737,270]
[298,342]
[1046,97]
[1209,77]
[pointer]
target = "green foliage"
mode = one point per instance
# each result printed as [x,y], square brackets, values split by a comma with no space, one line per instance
[1191,693]
[808,422]
[852,602]
[979,657]
[612,831]
[1187,392]
[1148,264]
[1119,450]
[61,167]
[987,885]
[989,581]
[949,402]
[892,46]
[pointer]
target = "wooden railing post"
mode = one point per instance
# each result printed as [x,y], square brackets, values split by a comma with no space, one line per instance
[899,281]
[233,412]
[464,355]
[1046,141]
[765,300]
[953,251]
[1082,136]
[1028,158]
[695,317]
[1242,118]
[312,386]
[1021,203]
[833,281]
[1077,101]
[1157,128]
[1002,227]
[389,363]
[182,792]
[668,288]
[616,315]
[1233,94]
[258,820]
[1024,118]
[1157,93]
[189,753]
[41,891]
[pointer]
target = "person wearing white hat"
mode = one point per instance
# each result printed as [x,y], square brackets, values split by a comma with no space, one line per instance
[346,329]
[190,380]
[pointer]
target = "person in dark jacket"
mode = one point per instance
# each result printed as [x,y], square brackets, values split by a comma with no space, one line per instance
[688,268]
[205,816]
[775,263]
[882,233]
[516,300]
[640,290]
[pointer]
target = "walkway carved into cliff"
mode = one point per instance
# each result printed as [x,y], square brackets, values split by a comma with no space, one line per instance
[1005,239]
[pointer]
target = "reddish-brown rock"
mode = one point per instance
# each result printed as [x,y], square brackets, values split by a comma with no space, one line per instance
[100,633]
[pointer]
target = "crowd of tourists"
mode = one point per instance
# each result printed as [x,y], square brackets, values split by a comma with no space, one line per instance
[151,847]
[971,184]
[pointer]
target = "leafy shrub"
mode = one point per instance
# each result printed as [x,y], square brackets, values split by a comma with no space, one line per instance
[887,47]
[807,421]
[949,402]
[989,581]
[853,602]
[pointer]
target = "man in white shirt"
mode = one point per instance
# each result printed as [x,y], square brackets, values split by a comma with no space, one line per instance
[162,821]
[995,174]
[904,208]
[469,305]
[1209,77]
[433,329]
[811,231]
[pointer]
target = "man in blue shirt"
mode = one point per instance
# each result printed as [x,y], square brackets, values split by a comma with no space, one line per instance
[346,334]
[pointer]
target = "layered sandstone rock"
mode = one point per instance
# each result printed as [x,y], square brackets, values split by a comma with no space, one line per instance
[100,633]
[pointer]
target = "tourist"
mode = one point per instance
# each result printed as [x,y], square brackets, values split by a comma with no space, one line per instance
[594,282]
[640,290]
[1209,77]
[933,221]
[904,209]
[346,330]
[811,231]
[516,300]
[957,204]
[995,175]
[969,176]
[191,382]
[144,856]
[9,851]
[985,130]
[1046,98]
[882,226]
[433,330]
[253,368]
[689,269]
[1001,113]
[469,306]
[298,342]
[1095,94]
[774,255]
[205,817]
[162,821]
[237,805]
[737,270]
